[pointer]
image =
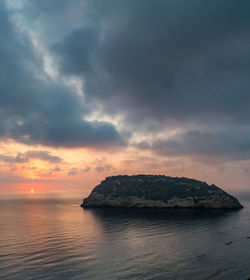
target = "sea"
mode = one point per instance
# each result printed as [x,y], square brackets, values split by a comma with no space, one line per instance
[57,239]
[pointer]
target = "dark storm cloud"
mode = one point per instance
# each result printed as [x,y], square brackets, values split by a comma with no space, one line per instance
[164,60]
[25,157]
[178,62]
[35,109]
[174,62]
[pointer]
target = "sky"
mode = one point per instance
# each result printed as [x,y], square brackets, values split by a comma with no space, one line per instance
[94,88]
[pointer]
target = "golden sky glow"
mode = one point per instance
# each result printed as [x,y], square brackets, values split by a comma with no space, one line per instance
[81,169]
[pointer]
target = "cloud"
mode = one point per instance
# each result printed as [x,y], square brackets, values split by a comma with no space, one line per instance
[36,109]
[56,169]
[222,145]
[26,157]
[43,155]
[86,169]
[15,179]
[168,63]
[75,170]
[165,60]
[103,168]
[156,65]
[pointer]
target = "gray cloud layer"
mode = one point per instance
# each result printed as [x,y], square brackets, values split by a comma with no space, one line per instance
[164,60]
[35,109]
[185,62]
[204,145]
[25,157]
[156,62]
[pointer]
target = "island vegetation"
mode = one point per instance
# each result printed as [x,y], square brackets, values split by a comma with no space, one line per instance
[158,191]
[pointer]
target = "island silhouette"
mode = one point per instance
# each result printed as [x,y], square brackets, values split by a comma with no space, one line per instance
[158,191]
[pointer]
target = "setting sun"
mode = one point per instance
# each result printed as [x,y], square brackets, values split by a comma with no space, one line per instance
[32,190]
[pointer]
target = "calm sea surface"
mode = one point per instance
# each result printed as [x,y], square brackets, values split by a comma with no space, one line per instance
[56,239]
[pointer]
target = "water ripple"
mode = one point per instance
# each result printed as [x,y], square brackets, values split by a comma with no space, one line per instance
[59,240]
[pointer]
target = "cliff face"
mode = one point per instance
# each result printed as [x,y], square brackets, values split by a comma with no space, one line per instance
[157,191]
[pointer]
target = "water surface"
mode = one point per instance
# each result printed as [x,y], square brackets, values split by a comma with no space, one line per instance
[56,239]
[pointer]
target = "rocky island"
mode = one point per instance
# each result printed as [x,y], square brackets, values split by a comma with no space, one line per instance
[158,191]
